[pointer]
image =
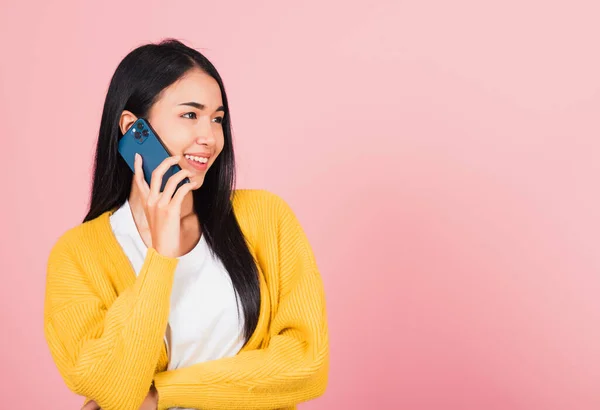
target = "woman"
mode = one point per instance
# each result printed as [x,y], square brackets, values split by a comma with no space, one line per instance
[201,297]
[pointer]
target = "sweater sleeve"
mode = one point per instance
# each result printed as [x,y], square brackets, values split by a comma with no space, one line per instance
[292,368]
[95,347]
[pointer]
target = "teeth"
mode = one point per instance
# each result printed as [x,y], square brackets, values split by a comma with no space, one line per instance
[197,159]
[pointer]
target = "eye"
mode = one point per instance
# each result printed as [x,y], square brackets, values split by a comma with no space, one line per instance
[218,120]
[193,114]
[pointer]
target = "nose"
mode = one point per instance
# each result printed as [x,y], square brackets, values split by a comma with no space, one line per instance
[204,133]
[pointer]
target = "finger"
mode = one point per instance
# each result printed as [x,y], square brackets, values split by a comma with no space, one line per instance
[91,405]
[181,193]
[140,181]
[171,185]
[159,172]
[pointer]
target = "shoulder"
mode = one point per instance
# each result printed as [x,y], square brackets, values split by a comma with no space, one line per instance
[243,198]
[279,241]
[80,237]
[259,204]
[262,214]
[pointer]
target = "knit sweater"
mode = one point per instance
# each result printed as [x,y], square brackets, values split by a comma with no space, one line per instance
[105,327]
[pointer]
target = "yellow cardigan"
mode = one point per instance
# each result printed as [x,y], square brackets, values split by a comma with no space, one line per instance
[105,326]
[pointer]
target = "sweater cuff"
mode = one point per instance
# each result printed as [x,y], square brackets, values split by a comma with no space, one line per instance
[157,271]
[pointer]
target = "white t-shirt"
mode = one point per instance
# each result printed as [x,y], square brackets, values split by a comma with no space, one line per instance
[203,319]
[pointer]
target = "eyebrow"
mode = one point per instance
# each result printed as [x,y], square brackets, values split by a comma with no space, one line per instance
[201,106]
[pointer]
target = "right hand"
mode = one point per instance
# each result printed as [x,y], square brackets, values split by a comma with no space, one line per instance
[163,209]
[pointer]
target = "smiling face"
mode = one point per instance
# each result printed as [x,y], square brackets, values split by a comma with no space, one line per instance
[188,117]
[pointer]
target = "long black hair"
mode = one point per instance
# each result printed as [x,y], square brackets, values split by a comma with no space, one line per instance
[135,86]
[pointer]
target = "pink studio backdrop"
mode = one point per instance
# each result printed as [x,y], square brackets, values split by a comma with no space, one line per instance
[442,157]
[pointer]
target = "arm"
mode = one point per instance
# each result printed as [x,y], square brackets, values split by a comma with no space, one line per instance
[107,354]
[293,367]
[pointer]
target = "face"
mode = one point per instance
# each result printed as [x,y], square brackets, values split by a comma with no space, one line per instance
[188,118]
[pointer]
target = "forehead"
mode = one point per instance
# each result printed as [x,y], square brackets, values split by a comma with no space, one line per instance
[196,86]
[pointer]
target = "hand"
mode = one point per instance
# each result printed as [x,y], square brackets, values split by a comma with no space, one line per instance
[163,209]
[150,402]
[91,405]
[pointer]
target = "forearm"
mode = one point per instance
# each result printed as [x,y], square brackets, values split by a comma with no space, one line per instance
[286,373]
[96,348]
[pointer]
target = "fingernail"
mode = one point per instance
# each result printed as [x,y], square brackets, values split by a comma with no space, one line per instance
[137,157]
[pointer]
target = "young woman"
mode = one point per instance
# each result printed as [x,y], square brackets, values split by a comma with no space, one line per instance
[204,297]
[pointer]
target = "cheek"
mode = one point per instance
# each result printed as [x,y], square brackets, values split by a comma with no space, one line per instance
[174,137]
[220,143]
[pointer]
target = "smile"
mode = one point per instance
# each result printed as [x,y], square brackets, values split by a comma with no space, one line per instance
[201,160]
[198,163]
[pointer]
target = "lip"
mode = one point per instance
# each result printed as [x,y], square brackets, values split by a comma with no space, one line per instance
[197,165]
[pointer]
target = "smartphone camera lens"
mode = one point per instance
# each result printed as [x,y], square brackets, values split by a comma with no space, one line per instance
[141,125]
[145,133]
[137,135]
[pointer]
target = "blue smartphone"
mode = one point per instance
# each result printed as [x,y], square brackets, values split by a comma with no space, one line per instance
[142,139]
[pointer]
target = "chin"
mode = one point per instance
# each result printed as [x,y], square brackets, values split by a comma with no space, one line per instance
[199,180]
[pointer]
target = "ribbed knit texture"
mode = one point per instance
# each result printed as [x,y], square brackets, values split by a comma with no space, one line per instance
[105,326]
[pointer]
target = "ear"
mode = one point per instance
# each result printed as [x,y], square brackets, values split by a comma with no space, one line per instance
[127,119]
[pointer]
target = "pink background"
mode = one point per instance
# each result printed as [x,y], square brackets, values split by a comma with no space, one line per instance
[441,155]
